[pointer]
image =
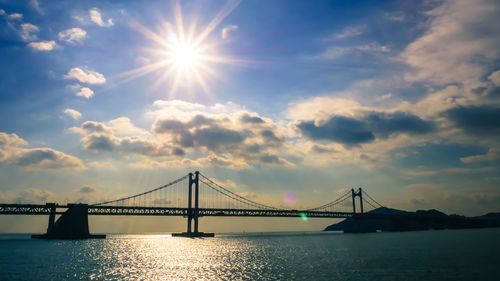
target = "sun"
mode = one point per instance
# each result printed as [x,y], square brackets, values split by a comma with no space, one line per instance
[183,56]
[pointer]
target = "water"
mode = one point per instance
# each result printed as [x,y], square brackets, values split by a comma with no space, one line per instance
[424,255]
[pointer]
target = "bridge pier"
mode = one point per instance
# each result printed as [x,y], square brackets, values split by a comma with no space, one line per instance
[193,213]
[73,224]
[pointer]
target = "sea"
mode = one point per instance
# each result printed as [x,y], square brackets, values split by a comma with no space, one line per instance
[469,254]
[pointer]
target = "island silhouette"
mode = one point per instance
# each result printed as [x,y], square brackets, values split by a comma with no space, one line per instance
[387,219]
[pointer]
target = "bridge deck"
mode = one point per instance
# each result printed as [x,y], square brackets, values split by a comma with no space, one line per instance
[34,209]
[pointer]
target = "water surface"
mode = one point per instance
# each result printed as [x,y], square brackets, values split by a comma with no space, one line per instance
[420,255]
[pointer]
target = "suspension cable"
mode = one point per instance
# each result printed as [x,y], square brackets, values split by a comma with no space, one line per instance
[334,202]
[144,193]
[232,195]
[372,199]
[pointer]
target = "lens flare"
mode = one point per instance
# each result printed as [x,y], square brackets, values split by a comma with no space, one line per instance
[303,216]
[225,31]
[290,198]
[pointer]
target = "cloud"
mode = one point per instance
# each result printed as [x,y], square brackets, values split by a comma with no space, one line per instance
[189,135]
[364,128]
[96,17]
[457,47]
[85,92]
[483,120]
[34,196]
[467,199]
[492,155]
[72,113]
[43,45]
[35,5]
[15,16]
[86,189]
[385,124]
[345,130]
[12,152]
[247,118]
[85,76]
[72,35]
[212,160]
[102,165]
[351,32]
[27,32]
[395,16]
[336,52]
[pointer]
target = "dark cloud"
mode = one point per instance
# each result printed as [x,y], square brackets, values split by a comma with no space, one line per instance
[126,145]
[240,138]
[99,142]
[91,126]
[35,156]
[247,118]
[340,129]
[322,149]
[200,131]
[352,132]
[86,189]
[489,91]
[270,136]
[46,158]
[481,120]
[385,124]
[178,152]
[213,138]
[169,125]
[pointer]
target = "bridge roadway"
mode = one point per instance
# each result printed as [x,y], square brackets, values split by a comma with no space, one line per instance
[39,209]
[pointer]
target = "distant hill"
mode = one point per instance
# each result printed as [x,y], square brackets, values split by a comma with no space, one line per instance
[387,219]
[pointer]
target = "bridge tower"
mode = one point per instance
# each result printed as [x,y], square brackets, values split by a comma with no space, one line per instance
[193,213]
[355,194]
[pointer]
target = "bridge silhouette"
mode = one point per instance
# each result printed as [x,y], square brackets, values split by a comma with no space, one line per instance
[191,196]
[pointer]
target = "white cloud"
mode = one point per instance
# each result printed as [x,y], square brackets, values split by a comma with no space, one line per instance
[2,12]
[15,16]
[495,78]
[13,152]
[492,155]
[27,32]
[395,16]
[72,113]
[34,195]
[72,35]
[85,92]
[35,5]
[462,43]
[85,76]
[335,52]
[43,45]
[96,17]
[189,135]
[351,32]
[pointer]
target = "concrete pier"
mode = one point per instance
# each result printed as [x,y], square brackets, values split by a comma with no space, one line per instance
[73,224]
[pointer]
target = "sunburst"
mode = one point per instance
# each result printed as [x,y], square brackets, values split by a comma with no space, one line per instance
[180,55]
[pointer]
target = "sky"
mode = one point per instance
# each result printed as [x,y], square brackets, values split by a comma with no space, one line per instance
[311,98]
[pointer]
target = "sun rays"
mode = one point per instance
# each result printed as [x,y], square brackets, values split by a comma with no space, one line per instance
[180,56]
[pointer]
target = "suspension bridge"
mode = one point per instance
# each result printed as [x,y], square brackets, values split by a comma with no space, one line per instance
[191,196]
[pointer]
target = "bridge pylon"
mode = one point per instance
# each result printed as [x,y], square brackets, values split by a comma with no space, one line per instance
[355,194]
[193,213]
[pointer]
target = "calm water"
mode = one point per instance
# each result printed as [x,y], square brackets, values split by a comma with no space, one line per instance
[423,255]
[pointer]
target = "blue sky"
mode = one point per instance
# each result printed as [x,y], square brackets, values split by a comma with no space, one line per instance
[309,97]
